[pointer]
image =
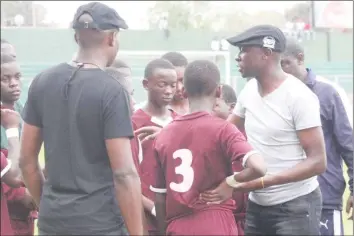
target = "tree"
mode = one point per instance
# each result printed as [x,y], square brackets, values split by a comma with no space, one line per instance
[299,12]
[33,13]
[239,20]
[181,14]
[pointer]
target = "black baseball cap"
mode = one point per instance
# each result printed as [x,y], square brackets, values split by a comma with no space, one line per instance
[104,17]
[264,36]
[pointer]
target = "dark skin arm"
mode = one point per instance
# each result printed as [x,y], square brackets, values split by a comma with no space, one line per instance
[312,142]
[13,176]
[148,204]
[127,183]
[161,212]
[31,144]
[147,133]
[11,119]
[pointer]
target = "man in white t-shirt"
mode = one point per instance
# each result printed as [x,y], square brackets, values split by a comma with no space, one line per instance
[281,117]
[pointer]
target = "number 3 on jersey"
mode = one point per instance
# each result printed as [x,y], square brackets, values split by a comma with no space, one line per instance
[185,169]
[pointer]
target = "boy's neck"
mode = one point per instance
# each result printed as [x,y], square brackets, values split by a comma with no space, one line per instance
[156,111]
[198,105]
[181,106]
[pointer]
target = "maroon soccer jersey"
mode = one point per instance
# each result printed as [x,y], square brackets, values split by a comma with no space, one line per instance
[194,154]
[141,119]
[6,228]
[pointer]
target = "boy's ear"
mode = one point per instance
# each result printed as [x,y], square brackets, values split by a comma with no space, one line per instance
[145,84]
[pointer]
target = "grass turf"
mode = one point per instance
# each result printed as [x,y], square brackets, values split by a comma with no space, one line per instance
[348,224]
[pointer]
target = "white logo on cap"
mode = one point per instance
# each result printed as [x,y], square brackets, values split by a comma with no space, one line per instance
[268,42]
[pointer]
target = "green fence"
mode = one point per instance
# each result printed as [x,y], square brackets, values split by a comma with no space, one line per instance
[39,49]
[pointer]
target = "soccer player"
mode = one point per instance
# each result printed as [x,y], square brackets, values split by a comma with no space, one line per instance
[282,120]
[226,103]
[193,154]
[160,83]
[10,171]
[83,116]
[7,48]
[19,201]
[179,103]
[338,135]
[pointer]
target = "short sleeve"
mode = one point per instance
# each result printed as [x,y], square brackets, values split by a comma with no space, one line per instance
[306,111]
[5,165]
[31,111]
[239,108]
[159,185]
[234,144]
[117,114]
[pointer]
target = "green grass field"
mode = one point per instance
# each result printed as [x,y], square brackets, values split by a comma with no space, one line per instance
[348,225]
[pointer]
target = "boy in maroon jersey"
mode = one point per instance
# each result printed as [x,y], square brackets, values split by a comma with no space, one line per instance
[223,108]
[22,212]
[10,171]
[197,157]
[160,83]
[179,103]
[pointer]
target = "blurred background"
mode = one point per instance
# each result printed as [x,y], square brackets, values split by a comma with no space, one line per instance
[41,34]
[40,31]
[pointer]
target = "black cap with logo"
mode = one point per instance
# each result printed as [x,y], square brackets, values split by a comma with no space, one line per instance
[104,17]
[266,36]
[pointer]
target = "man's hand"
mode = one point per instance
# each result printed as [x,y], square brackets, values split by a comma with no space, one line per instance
[224,191]
[10,118]
[218,195]
[147,133]
[28,201]
[349,207]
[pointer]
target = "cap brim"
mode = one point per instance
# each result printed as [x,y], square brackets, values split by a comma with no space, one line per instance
[122,24]
[241,38]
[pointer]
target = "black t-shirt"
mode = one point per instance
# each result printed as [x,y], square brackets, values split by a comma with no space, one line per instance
[78,196]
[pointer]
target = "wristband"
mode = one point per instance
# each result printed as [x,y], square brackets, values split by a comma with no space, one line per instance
[153,211]
[12,132]
[230,180]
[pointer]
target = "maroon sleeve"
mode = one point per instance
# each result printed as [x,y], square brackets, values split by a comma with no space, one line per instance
[159,185]
[3,161]
[4,152]
[234,143]
[14,194]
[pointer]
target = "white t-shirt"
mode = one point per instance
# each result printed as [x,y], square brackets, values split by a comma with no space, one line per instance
[271,123]
[343,95]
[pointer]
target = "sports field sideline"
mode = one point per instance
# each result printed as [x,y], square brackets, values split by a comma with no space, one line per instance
[348,225]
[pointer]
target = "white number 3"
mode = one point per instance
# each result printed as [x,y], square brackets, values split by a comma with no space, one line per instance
[183,169]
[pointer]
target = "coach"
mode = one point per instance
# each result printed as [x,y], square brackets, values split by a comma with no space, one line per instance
[82,114]
[281,117]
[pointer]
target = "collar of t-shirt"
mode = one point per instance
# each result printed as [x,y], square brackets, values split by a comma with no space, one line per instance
[193,115]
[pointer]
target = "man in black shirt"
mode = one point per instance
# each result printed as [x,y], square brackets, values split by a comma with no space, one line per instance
[82,114]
